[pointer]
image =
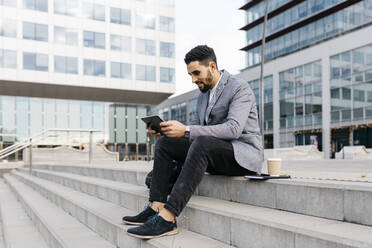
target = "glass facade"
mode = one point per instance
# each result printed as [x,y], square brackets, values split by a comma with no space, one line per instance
[94,67]
[67,36]
[35,61]
[329,26]
[166,24]
[26,116]
[34,31]
[11,3]
[8,59]
[167,50]
[121,70]
[120,16]
[301,96]
[94,11]
[8,28]
[146,47]
[66,7]
[65,64]
[145,73]
[94,39]
[39,5]
[167,75]
[121,43]
[145,21]
[351,85]
[268,99]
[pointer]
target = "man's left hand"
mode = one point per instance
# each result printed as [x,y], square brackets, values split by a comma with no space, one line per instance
[173,129]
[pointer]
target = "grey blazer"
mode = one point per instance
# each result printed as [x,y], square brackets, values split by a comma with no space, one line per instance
[232,115]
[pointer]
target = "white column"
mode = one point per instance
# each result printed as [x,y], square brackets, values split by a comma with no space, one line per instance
[326,109]
[276,110]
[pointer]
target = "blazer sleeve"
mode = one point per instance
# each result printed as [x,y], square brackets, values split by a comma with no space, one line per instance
[236,120]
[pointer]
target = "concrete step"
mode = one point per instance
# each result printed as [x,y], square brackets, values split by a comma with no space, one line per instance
[231,221]
[105,217]
[336,200]
[57,227]
[18,229]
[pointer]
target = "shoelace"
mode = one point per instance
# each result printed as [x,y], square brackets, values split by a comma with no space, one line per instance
[153,220]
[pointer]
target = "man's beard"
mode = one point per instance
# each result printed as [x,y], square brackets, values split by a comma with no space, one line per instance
[207,83]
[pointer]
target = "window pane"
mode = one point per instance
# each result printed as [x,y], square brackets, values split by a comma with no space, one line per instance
[150,73]
[146,47]
[72,37]
[42,32]
[28,31]
[166,24]
[72,65]
[166,75]
[99,12]
[88,39]
[42,5]
[100,68]
[88,67]
[145,21]
[59,64]
[29,61]
[115,15]
[167,50]
[59,35]
[99,40]
[126,71]
[115,70]
[41,62]
[141,72]
[8,28]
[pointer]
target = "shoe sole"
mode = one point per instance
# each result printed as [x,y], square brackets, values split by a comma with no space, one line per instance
[133,223]
[173,232]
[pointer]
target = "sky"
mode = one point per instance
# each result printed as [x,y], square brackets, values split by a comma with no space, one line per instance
[215,23]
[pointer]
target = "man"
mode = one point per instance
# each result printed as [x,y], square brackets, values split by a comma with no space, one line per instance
[224,139]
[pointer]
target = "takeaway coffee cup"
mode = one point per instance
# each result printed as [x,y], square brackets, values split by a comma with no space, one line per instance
[273,166]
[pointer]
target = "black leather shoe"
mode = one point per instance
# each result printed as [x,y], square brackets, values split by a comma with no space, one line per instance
[140,218]
[154,228]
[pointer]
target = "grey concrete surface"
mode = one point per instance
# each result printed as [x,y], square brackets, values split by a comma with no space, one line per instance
[338,200]
[18,229]
[203,213]
[105,218]
[57,227]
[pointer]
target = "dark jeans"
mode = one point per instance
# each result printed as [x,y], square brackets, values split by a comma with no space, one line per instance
[205,153]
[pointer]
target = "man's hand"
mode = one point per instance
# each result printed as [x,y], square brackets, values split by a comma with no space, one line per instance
[152,132]
[173,129]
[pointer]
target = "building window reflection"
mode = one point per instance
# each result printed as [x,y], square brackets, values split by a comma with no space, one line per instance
[145,21]
[94,39]
[39,5]
[66,64]
[8,28]
[94,11]
[145,73]
[94,67]
[35,61]
[66,7]
[8,59]
[66,36]
[146,47]
[166,24]
[121,43]
[34,31]
[120,16]
[167,49]
[167,75]
[121,70]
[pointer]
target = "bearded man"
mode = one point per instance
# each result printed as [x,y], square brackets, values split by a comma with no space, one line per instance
[223,139]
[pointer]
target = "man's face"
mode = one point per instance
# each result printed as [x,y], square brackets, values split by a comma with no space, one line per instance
[200,75]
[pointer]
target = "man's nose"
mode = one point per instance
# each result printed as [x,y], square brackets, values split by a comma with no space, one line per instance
[194,79]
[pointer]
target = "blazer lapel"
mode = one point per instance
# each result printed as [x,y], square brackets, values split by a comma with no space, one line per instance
[217,94]
[203,108]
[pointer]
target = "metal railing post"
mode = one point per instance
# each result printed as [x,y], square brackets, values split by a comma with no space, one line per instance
[90,146]
[30,156]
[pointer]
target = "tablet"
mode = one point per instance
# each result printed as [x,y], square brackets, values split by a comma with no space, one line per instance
[153,122]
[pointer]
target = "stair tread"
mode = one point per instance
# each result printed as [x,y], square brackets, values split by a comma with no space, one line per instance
[68,230]
[16,223]
[114,213]
[308,225]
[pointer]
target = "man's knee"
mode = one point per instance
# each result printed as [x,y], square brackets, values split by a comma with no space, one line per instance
[202,143]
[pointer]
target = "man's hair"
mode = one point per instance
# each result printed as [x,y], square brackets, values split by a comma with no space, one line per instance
[202,53]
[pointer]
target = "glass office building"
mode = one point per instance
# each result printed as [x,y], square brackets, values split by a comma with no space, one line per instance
[84,64]
[318,62]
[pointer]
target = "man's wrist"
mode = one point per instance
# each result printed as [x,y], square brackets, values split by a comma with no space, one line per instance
[187,132]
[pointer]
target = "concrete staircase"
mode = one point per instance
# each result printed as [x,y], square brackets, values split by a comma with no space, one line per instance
[70,205]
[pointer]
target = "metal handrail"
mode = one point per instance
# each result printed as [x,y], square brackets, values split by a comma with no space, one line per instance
[29,141]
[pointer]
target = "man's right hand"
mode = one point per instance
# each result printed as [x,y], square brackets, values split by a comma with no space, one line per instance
[152,132]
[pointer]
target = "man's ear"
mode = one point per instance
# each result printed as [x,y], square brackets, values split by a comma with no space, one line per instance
[213,66]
